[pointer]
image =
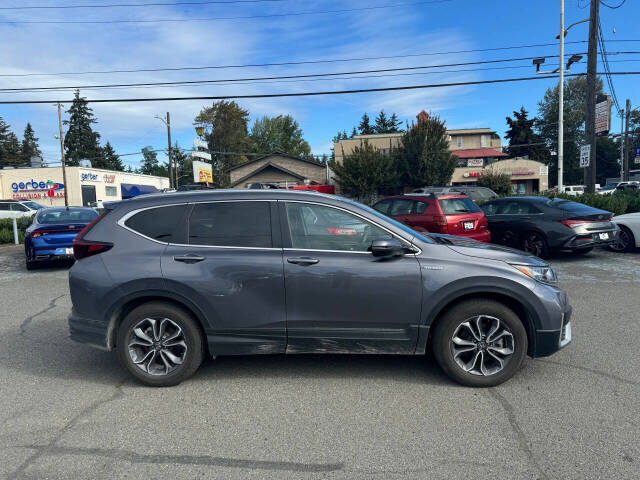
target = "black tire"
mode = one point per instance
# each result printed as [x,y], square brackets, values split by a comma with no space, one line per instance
[626,241]
[454,319]
[191,334]
[583,251]
[536,244]
[29,262]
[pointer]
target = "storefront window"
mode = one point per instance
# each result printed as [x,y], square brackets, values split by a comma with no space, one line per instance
[518,188]
[111,191]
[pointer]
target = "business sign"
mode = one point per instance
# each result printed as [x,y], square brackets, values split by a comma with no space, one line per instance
[475,162]
[109,178]
[636,155]
[37,189]
[522,172]
[202,172]
[198,142]
[585,156]
[90,177]
[472,174]
[198,154]
[544,170]
[603,115]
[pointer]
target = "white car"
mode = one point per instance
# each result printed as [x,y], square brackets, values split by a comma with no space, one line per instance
[612,187]
[18,208]
[629,238]
[573,190]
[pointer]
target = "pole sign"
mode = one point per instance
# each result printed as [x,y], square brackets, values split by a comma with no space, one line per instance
[585,155]
[198,154]
[603,115]
[636,155]
[198,142]
[202,172]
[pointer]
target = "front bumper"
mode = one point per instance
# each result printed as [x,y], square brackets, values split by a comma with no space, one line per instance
[87,331]
[548,342]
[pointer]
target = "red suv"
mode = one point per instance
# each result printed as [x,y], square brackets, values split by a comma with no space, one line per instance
[450,214]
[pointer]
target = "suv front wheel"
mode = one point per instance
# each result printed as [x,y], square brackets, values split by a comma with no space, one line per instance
[160,344]
[480,343]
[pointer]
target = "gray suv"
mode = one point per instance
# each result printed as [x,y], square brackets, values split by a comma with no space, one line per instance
[169,279]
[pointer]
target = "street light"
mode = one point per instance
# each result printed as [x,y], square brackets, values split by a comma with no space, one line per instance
[561,69]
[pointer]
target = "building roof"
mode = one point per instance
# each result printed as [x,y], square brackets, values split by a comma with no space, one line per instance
[276,154]
[264,167]
[478,153]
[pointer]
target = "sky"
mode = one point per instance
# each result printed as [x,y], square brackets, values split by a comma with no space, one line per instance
[431,32]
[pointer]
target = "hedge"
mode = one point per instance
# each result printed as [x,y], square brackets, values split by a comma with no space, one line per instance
[618,203]
[6,229]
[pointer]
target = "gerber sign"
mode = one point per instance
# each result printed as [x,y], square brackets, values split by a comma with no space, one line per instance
[37,189]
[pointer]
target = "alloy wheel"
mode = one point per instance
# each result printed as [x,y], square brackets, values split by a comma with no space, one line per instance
[534,244]
[482,345]
[157,346]
[623,242]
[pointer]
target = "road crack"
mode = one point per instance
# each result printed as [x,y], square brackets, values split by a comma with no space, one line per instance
[610,376]
[25,323]
[523,442]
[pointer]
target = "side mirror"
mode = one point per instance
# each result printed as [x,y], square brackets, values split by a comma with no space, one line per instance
[387,247]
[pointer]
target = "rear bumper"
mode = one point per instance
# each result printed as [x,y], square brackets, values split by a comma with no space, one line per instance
[578,242]
[88,331]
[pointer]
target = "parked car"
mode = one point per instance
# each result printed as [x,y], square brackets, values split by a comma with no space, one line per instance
[18,208]
[50,236]
[166,280]
[629,237]
[541,225]
[477,194]
[453,214]
[573,190]
[610,188]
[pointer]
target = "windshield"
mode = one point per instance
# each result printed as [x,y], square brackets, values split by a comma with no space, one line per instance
[388,220]
[33,205]
[64,216]
[451,206]
[609,186]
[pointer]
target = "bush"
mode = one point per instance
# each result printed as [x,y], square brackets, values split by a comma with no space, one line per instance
[497,181]
[6,229]
[618,203]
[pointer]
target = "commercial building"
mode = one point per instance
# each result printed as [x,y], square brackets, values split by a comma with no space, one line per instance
[85,186]
[280,169]
[527,176]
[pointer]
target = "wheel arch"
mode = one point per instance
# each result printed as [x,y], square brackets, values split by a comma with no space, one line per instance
[119,311]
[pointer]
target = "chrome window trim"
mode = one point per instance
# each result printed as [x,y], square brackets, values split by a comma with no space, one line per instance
[357,215]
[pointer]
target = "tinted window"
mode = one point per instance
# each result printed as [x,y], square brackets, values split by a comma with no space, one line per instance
[383,206]
[63,216]
[33,205]
[231,224]
[491,208]
[317,227]
[16,207]
[572,207]
[452,206]
[4,206]
[401,206]
[419,207]
[165,224]
[517,208]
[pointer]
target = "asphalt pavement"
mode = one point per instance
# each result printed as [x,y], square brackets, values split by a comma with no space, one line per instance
[70,411]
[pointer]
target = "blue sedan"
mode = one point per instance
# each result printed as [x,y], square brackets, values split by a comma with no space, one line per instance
[51,234]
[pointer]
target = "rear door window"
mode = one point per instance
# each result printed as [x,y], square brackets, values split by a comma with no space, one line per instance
[231,224]
[383,206]
[164,224]
[401,206]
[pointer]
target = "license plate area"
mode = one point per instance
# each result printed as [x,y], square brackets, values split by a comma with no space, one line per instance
[467,225]
[601,236]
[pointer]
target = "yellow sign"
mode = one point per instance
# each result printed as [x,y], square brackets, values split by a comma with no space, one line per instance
[202,172]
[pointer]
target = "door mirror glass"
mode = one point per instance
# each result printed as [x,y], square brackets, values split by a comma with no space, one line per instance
[387,247]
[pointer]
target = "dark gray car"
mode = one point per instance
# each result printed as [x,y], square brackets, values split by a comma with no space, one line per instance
[166,280]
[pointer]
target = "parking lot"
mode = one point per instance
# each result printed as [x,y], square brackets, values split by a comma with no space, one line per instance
[70,411]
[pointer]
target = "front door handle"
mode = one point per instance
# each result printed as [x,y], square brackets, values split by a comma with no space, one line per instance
[303,260]
[189,258]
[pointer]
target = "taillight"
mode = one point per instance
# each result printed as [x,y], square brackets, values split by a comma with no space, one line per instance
[441,221]
[85,248]
[36,234]
[577,223]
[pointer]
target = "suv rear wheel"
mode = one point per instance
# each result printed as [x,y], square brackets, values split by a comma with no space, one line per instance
[160,344]
[480,343]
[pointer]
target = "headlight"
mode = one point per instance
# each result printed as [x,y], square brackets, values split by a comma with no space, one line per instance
[541,274]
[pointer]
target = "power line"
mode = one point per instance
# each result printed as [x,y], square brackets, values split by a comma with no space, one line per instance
[210,19]
[302,94]
[307,62]
[155,4]
[611,6]
[282,77]
[605,61]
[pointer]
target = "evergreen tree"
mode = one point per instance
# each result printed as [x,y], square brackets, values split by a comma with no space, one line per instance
[9,146]
[110,159]
[394,124]
[365,128]
[354,132]
[365,172]
[151,165]
[183,163]
[382,123]
[80,141]
[29,147]
[228,131]
[423,158]
[521,133]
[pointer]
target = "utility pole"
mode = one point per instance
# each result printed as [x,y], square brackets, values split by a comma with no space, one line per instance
[561,103]
[64,171]
[592,64]
[622,142]
[626,142]
[171,166]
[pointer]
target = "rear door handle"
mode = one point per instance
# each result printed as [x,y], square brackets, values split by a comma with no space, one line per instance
[189,258]
[303,260]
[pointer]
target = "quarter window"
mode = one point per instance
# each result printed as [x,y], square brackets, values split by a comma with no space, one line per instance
[231,224]
[165,224]
[317,227]
[4,206]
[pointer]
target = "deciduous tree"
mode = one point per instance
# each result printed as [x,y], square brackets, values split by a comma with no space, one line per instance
[278,134]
